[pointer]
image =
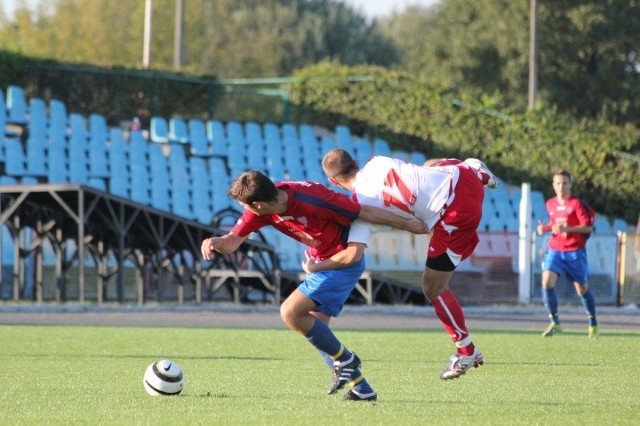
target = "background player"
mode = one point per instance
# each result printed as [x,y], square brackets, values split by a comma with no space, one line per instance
[569,222]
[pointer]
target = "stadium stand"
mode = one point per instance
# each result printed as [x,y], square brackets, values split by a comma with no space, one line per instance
[183,168]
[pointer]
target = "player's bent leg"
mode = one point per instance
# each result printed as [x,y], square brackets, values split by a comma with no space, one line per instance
[449,311]
[295,312]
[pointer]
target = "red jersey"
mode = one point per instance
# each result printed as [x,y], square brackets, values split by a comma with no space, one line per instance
[571,213]
[316,216]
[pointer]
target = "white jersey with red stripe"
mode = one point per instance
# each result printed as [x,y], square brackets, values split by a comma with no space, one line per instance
[405,189]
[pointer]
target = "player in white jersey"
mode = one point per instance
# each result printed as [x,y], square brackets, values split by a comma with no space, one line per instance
[447,196]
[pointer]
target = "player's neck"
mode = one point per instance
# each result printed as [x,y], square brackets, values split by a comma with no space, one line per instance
[282,201]
[349,183]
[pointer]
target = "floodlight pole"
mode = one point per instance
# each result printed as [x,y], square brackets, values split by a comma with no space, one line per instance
[146,48]
[178,35]
[533,55]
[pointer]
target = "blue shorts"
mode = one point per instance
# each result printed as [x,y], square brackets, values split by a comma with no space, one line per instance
[330,289]
[572,263]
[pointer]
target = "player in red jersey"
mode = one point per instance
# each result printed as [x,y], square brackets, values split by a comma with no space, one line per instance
[319,218]
[569,222]
[446,194]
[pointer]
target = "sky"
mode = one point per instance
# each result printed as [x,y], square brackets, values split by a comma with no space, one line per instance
[371,8]
[382,8]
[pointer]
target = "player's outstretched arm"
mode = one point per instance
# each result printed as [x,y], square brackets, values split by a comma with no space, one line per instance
[225,245]
[344,258]
[381,216]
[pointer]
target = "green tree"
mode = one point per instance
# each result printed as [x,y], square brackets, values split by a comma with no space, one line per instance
[226,38]
[588,52]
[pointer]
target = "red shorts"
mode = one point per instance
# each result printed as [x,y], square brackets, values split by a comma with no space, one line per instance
[456,232]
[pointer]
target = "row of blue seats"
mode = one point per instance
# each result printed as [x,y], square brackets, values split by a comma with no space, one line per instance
[189,163]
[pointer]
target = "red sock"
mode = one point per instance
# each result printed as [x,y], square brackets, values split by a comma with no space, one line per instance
[450,313]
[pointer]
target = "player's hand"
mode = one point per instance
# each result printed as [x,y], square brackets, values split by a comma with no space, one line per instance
[416,226]
[306,263]
[209,246]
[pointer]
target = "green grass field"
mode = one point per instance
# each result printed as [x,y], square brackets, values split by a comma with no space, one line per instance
[62,375]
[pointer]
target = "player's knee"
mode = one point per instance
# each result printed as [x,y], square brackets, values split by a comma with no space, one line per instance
[581,289]
[287,314]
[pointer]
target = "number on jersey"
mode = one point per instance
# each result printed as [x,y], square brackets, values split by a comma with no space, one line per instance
[394,184]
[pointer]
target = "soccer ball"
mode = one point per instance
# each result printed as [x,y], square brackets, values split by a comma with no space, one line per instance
[163,377]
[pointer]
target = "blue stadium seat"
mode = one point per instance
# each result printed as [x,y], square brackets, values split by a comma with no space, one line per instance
[140,186]
[160,178]
[98,164]
[201,190]
[78,156]
[327,144]
[401,155]
[119,181]
[217,137]
[3,124]
[58,123]
[200,145]
[16,106]
[38,119]
[253,135]
[180,182]
[293,157]
[98,129]
[117,144]
[139,168]
[503,208]
[512,224]
[418,158]
[255,146]
[159,130]
[274,152]
[235,132]
[620,225]
[178,132]
[363,150]
[15,164]
[602,226]
[272,137]
[289,132]
[237,148]
[344,139]
[499,195]
[538,207]
[138,152]
[7,180]
[220,181]
[307,132]
[60,172]
[310,146]
[36,148]
[381,147]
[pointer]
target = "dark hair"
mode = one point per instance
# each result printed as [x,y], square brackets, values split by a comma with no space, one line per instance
[338,164]
[253,186]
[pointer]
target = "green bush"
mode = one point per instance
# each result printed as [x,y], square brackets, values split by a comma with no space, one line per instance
[519,147]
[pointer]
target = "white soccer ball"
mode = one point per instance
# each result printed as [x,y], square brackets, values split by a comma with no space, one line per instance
[163,377]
